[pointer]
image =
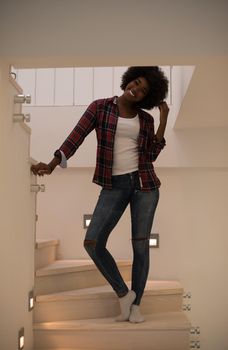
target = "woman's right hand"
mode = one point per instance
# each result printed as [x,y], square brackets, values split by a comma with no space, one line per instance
[41,169]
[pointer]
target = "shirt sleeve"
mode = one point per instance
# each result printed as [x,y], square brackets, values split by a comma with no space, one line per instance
[63,163]
[84,126]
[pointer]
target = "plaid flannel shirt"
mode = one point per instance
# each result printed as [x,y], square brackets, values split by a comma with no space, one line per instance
[102,115]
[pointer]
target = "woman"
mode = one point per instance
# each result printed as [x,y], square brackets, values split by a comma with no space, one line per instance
[126,147]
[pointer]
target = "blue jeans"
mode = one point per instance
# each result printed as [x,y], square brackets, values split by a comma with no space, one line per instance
[109,209]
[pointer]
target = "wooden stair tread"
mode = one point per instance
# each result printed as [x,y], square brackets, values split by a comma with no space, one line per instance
[72,265]
[161,321]
[152,288]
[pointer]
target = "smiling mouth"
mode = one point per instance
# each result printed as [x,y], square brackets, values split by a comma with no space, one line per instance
[132,93]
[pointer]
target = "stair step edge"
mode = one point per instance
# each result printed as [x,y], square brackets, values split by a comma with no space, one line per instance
[72,265]
[106,292]
[162,322]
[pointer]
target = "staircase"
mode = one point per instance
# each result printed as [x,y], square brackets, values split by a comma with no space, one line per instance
[75,309]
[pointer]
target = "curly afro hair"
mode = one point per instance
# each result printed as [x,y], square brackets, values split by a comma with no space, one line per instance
[156,79]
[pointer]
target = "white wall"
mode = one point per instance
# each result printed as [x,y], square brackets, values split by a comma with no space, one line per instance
[17,224]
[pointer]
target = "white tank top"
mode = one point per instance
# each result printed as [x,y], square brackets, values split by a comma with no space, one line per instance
[125,156]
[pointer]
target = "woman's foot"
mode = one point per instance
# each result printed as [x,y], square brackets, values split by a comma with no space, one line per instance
[125,306]
[135,315]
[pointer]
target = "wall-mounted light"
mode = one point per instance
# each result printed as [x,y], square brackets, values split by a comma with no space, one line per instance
[86,220]
[21,338]
[154,240]
[31,300]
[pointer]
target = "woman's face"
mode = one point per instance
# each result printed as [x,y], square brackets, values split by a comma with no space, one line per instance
[137,90]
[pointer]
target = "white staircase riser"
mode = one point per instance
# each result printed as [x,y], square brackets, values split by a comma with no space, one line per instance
[101,307]
[92,340]
[45,256]
[74,280]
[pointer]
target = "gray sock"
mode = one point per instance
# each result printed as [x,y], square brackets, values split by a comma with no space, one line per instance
[135,315]
[125,306]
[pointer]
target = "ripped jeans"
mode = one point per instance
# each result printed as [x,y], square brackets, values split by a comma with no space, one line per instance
[109,209]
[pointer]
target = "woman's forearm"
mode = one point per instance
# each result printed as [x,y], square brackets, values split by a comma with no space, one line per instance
[54,162]
[164,111]
[161,131]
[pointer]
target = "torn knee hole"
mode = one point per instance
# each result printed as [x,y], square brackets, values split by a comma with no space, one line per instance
[90,242]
